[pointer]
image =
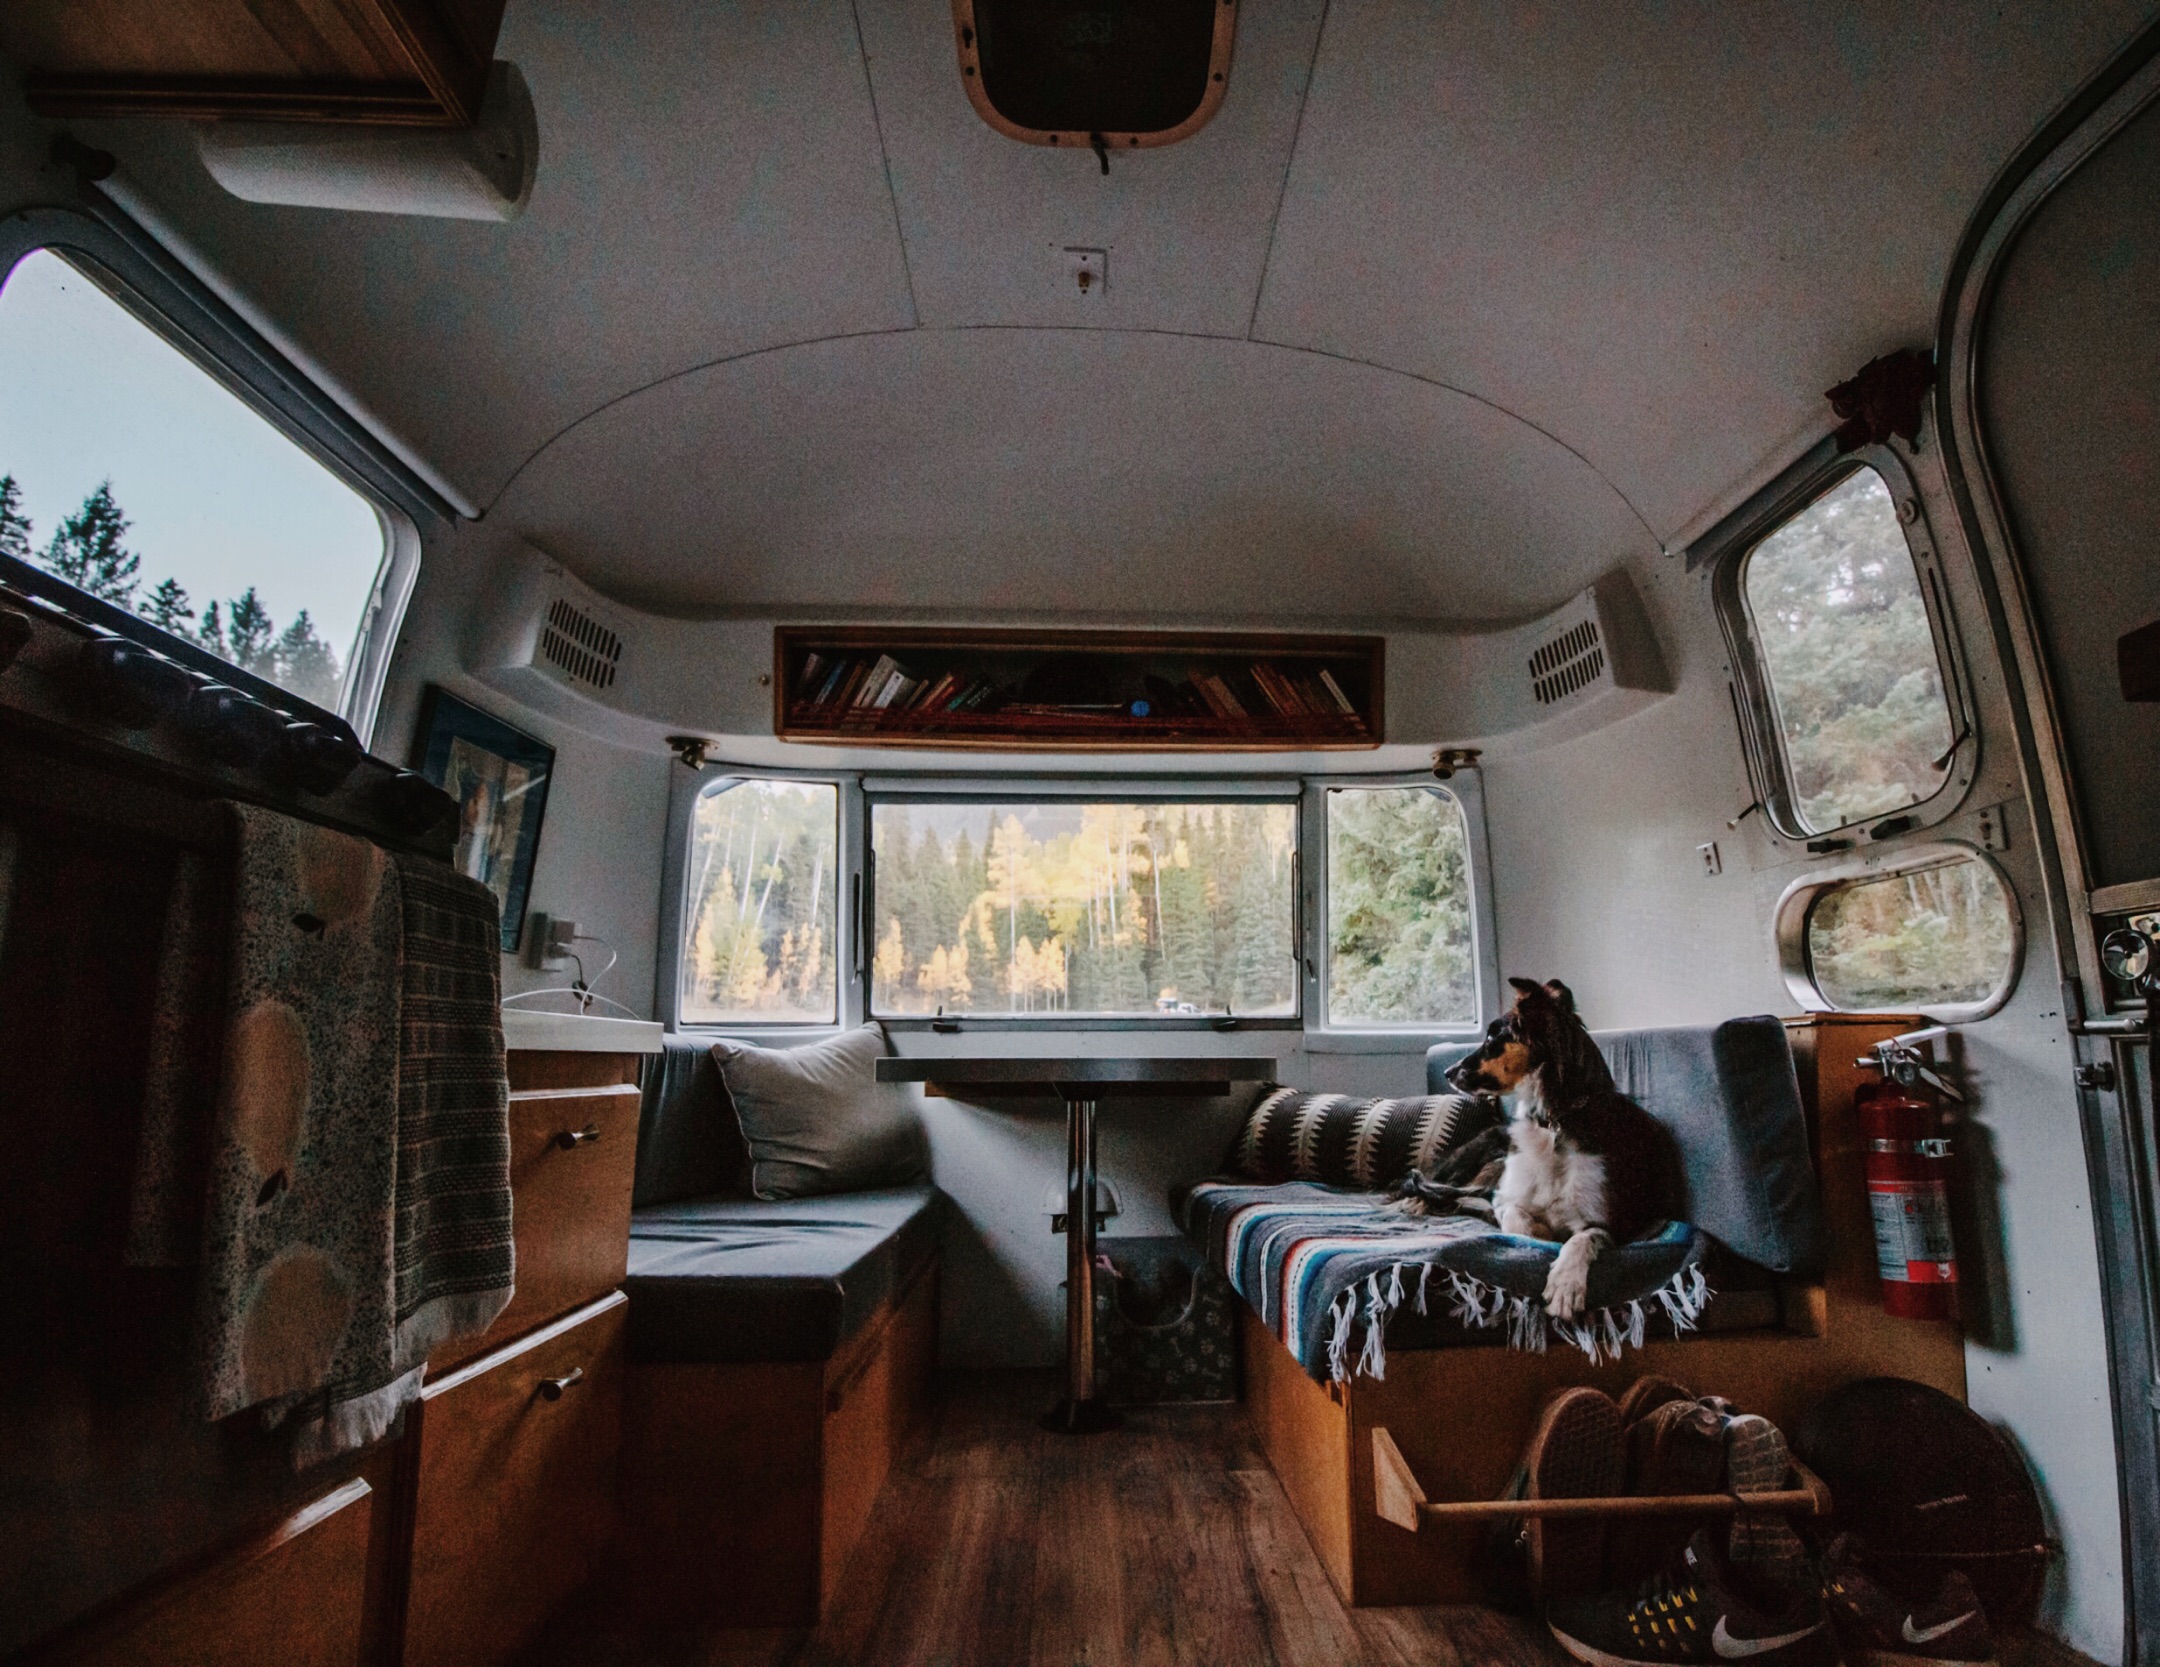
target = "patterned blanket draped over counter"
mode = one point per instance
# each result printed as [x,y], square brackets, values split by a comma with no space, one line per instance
[1325,1269]
[343,1179]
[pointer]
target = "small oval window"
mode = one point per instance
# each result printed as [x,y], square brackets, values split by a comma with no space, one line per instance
[1939,936]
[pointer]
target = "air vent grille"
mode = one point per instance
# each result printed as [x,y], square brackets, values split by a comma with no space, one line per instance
[1568,664]
[579,646]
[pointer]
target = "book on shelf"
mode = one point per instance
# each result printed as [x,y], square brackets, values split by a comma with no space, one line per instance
[1335,693]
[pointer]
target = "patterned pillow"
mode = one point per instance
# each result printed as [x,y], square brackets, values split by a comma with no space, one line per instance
[1342,1141]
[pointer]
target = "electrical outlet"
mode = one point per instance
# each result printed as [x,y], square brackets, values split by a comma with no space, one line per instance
[1087,270]
[548,940]
[1712,862]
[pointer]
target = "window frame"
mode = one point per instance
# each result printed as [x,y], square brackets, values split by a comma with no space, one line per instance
[1726,550]
[169,300]
[859,790]
[1790,924]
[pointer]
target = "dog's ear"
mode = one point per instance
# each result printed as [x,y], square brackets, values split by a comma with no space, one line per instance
[1528,992]
[1561,994]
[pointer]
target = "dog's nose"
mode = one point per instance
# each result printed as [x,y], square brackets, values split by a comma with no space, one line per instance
[1463,1074]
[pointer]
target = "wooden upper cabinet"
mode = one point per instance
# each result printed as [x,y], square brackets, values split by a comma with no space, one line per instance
[400,63]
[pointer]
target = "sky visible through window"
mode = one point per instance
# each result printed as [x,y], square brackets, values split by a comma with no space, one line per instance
[102,421]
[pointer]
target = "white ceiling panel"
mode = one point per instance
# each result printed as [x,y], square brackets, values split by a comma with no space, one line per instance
[1069,473]
[986,217]
[709,182]
[1659,231]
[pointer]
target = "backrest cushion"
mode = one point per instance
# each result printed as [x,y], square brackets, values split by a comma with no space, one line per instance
[688,1144]
[1341,1141]
[1730,1097]
[817,1120]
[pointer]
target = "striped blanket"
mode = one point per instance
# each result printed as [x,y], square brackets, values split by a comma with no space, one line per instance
[1326,1270]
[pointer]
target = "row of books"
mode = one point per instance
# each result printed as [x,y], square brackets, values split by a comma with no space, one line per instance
[863,683]
[855,686]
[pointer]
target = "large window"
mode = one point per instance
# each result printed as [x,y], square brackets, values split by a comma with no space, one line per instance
[1399,942]
[134,475]
[759,939]
[1134,910]
[1850,667]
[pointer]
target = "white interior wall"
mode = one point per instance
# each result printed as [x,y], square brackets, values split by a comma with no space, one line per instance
[1598,881]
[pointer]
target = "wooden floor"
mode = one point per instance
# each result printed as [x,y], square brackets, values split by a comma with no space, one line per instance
[1166,1542]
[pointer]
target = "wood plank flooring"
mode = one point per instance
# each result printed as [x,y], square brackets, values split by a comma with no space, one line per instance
[1164,1544]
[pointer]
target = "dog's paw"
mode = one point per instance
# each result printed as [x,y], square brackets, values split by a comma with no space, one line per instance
[1567,1287]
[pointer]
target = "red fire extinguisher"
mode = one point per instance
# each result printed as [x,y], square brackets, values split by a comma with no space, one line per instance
[1908,1159]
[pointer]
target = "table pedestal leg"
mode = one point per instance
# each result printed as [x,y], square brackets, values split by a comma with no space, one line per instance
[1080,1413]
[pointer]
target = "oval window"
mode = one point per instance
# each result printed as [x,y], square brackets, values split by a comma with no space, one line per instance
[1939,936]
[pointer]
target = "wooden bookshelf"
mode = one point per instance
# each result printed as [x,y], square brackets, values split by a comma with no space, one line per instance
[1077,691]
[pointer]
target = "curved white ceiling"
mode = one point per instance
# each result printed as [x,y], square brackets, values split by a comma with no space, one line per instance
[1654,231]
[1070,472]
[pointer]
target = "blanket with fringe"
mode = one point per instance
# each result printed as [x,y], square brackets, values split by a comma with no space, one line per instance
[1326,1270]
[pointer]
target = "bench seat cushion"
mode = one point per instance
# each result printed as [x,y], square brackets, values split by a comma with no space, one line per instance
[743,1279]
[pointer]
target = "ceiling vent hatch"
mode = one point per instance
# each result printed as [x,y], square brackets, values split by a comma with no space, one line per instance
[1567,664]
[579,646]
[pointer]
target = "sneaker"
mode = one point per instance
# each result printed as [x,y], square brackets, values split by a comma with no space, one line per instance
[1679,1447]
[1695,1610]
[1649,1392]
[1575,1453]
[1879,1630]
[1762,1542]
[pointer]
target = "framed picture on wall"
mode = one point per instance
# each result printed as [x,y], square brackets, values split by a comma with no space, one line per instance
[499,777]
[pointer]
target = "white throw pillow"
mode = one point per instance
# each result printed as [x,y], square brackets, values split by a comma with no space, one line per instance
[817,1120]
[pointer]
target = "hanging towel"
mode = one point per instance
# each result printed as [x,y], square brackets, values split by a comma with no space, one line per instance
[451,1241]
[296,1291]
[454,1254]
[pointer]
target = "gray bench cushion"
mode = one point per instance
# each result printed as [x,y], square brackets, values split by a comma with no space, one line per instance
[743,1279]
[1729,1095]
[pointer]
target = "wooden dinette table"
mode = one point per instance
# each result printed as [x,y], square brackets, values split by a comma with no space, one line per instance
[1082,1084]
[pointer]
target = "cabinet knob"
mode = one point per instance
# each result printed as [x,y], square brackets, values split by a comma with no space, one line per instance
[551,1389]
[570,1139]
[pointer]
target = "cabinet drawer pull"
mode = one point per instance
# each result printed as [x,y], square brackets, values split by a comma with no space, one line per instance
[551,1389]
[570,1139]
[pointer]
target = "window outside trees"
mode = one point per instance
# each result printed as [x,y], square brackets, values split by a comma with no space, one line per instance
[1846,645]
[1928,937]
[1116,910]
[131,473]
[1400,947]
[760,942]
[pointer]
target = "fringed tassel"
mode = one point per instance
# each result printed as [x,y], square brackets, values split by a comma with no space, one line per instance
[1424,1275]
[1343,1312]
[1372,1360]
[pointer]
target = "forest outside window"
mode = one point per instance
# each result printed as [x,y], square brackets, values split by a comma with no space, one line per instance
[1400,944]
[1850,674]
[760,942]
[1134,910]
[1938,933]
[131,473]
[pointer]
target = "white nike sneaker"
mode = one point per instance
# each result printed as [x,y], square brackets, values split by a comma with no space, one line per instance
[1879,1629]
[1695,1610]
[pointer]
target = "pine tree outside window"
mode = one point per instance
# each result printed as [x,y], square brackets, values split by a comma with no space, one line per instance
[131,473]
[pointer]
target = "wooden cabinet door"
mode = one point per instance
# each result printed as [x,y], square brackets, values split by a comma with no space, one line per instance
[291,1598]
[512,1487]
[573,1159]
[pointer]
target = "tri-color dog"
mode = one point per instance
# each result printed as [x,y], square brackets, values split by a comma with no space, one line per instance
[1586,1165]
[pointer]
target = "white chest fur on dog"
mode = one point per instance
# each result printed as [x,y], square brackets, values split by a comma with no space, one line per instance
[1551,1190]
